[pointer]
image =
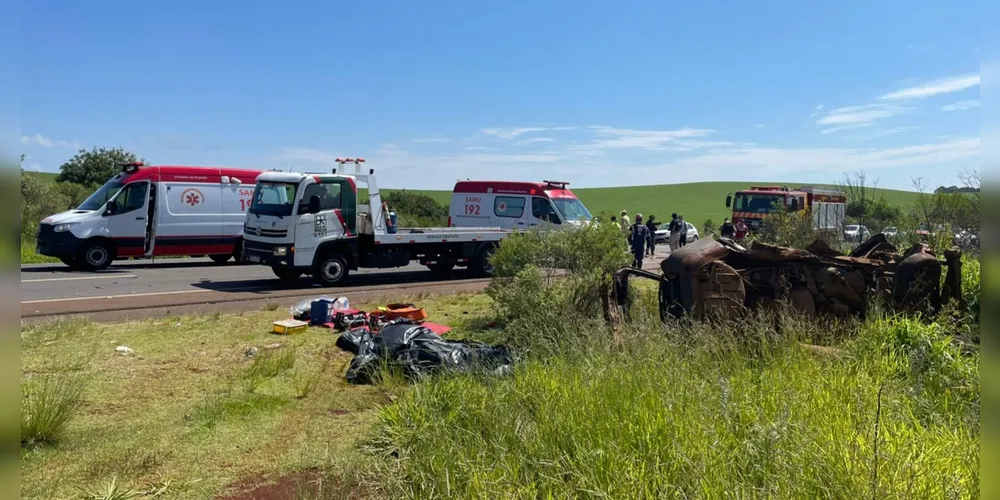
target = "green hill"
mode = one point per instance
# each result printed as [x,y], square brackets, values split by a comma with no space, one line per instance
[696,201]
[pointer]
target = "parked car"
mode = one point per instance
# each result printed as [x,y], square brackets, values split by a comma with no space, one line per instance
[891,231]
[662,234]
[856,233]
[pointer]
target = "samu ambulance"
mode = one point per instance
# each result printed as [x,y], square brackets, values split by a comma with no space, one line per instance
[515,205]
[153,211]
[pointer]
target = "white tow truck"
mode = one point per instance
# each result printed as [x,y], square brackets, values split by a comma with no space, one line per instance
[306,223]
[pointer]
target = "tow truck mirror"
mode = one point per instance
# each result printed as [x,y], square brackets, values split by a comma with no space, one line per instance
[729,200]
[313,205]
[113,208]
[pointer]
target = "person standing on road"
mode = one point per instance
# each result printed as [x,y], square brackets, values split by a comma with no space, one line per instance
[651,242]
[674,235]
[727,230]
[682,228]
[626,226]
[639,238]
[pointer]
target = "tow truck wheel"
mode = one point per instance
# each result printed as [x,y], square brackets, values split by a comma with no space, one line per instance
[96,256]
[220,259]
[440,267]
[330,270]
[480,264]
[286,273]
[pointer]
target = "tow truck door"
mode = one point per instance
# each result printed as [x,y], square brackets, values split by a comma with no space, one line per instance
[336,218]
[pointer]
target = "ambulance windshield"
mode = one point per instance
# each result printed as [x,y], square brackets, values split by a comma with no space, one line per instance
[571,209]
[102,195]
[273,198]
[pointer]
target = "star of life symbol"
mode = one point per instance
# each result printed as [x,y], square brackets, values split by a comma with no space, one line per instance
[192,197]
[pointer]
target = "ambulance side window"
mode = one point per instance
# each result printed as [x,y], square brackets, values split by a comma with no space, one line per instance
[329,196]
[133,197]
[509,206]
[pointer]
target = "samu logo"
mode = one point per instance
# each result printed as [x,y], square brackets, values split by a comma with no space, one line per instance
[192,197]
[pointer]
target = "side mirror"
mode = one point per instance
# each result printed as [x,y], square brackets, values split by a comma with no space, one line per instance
[729,200]
[313,205]
[113,208]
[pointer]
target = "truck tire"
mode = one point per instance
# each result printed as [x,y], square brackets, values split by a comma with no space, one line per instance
[96,256]
[330,269]
[220,259]
[480,264]
[286,273]
[72,262]
[441,267]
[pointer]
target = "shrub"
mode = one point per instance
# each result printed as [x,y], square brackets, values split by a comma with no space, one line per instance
[541,312]
[47,406]
[267,365]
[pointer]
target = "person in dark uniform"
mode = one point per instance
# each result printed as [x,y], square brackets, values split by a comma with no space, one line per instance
[682,228]
[728,230]
[638,238]
[651,243]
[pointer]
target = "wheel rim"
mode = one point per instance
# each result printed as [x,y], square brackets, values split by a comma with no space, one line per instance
[96,256]
[332,270]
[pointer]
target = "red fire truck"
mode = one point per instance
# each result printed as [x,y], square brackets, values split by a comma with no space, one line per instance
[752,205]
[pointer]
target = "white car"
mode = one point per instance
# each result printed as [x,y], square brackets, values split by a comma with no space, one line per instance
[662,234]
[856,233]
[891,231]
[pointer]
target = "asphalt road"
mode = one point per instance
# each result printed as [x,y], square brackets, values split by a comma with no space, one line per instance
[135,289]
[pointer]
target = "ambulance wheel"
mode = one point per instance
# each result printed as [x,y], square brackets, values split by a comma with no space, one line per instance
[286,273]
[331,269]
[238,253]
[220,259]
[480,264]
[96,256]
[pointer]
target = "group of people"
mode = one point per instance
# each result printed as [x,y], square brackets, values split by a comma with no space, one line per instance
[641,237]
[736,231]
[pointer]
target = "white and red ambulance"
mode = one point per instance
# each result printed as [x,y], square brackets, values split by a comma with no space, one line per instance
[153,211]
[515,205]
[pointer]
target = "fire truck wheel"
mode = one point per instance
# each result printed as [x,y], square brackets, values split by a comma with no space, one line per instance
[330,270]
[96,256]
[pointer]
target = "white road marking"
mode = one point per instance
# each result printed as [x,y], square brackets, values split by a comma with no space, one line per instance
[151,294]
[74,278]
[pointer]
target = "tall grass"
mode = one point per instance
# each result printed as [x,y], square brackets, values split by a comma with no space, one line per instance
[688,413]
[47,406]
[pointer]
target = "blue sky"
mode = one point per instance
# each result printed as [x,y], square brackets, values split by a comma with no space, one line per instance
[596,93]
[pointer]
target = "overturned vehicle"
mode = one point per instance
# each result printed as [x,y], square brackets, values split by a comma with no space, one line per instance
[720,278]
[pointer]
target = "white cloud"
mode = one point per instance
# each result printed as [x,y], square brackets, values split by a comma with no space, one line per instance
[935,87]
[879,133]
[535,140]
[850,117]
[45,142]
[844,127]
[431,140]
[513,133]
[819,107]
[961,105]
[652,140]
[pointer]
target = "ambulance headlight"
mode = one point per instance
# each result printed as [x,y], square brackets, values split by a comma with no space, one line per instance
[280,251]
[59,228]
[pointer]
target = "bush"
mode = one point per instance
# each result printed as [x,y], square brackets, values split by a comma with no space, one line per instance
[416,209]
[789,229]
[47,406]
[540,312]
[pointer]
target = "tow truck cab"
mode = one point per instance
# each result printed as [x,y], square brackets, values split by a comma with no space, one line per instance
[152,211]
[301,223]
[515,205]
